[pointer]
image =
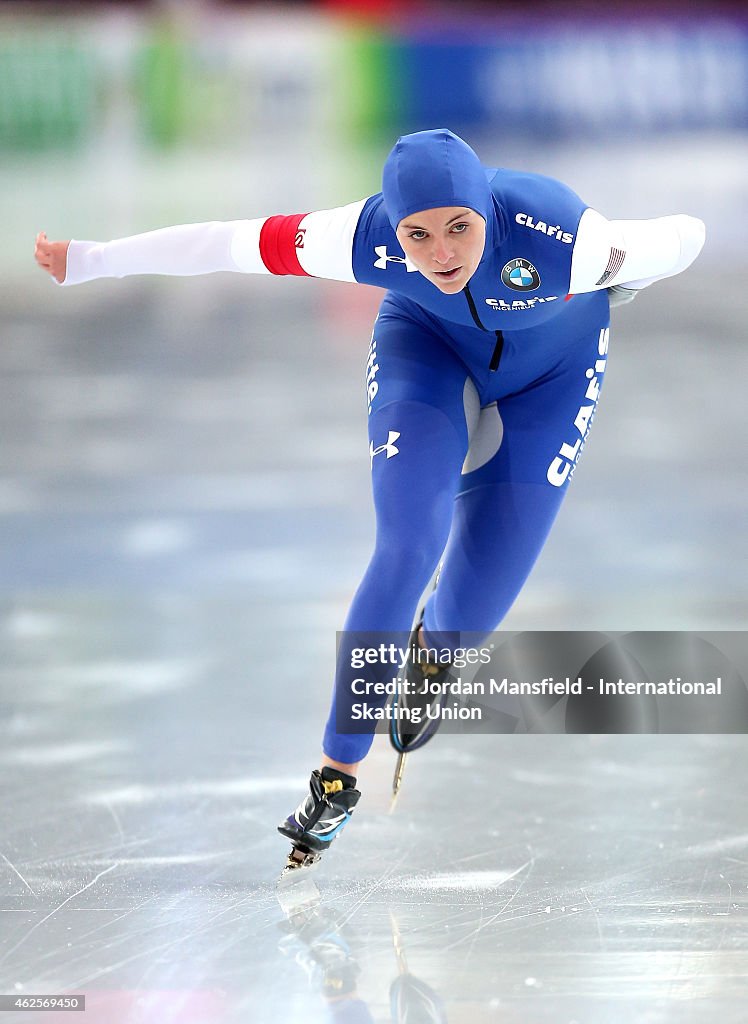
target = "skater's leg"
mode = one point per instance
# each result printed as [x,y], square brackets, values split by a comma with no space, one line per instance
[507,504]
[421,399]
[346,767]
[499,531]
[418,436]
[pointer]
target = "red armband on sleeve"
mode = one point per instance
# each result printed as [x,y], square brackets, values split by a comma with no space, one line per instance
[280,237]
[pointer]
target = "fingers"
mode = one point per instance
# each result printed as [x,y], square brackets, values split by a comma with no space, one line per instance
[43,251]
[42,245]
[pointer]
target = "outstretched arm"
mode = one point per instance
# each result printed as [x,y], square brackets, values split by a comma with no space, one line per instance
[307,245]
[632,254]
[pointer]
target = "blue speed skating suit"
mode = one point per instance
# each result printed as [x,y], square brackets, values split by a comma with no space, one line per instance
[479,403]
[480,400]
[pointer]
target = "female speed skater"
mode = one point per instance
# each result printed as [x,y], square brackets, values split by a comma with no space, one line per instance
[482,380]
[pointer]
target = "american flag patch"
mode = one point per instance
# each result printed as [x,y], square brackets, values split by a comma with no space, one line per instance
[617,256]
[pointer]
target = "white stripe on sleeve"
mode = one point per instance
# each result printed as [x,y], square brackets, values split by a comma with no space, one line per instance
[328,242]
[245,246]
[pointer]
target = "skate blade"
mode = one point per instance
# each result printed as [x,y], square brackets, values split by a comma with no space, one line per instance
[296,890]
[299,865]
[397,778]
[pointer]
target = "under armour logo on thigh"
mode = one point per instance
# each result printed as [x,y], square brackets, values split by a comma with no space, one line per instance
[389,447]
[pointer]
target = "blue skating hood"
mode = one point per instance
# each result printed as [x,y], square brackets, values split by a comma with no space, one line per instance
[431,169]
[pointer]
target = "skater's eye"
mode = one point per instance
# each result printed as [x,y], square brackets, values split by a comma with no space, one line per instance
[417,235]
[460,228]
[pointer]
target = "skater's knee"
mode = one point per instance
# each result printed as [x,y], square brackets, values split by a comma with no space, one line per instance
[414,558]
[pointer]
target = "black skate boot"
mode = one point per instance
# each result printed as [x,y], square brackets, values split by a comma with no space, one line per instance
[320,816]
[418,707]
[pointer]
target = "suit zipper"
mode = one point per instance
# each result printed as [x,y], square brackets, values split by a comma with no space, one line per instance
[499,347]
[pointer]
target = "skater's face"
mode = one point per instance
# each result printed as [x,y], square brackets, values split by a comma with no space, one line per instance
[446,244]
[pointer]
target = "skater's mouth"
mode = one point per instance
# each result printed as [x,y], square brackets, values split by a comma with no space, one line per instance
[447,275]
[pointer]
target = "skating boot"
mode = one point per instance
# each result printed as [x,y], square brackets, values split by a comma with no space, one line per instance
[417,709]
[320,817]
[422,696]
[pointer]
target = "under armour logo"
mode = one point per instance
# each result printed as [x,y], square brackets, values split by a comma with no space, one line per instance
[389,447]
[384,259]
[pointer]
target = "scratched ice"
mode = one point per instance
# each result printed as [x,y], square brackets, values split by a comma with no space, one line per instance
[568,878]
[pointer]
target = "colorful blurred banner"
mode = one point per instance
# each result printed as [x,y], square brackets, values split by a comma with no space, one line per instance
[568,78]
[221,75]
[48,87]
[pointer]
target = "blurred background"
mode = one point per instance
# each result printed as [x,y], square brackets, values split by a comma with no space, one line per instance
[121,117]
[184,494]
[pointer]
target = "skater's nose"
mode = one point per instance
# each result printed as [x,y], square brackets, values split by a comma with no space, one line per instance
[442,252]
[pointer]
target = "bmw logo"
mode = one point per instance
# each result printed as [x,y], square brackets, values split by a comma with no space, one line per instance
[520,275]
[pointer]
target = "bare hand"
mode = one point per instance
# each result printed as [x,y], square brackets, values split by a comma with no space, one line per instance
[52,256]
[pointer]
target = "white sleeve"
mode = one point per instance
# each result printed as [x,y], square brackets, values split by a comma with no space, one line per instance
[633,253]
[308,245]
[184,250]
